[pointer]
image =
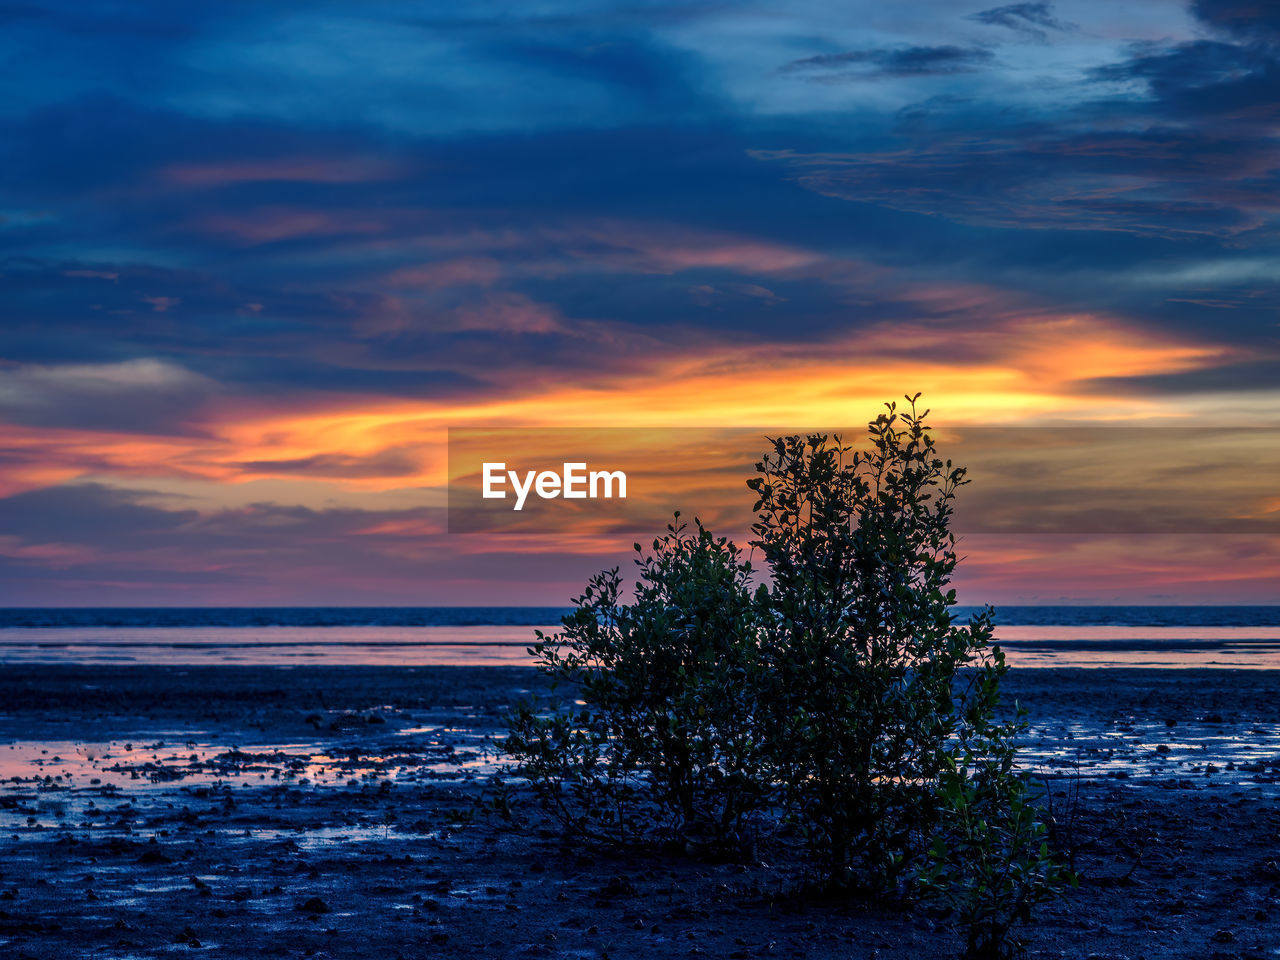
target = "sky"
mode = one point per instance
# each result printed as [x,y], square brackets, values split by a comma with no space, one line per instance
[257,258]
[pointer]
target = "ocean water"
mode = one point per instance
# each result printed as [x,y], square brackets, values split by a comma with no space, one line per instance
[1033,636]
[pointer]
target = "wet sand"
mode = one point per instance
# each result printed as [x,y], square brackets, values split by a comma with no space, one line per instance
[348,812]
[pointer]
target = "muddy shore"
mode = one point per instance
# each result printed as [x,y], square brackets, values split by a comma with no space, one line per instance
[345,812]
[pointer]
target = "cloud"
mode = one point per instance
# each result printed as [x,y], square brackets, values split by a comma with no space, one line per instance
[456,272]
[89,514]
[389,463]
[911,61]
[1230,81]
[1174,141]
[1253,376]
[1250,20]
[274,224]
[90,543]
[1224,80]
[732,294]
[297,169]
[145,395]
[1160,182]
[1032,20]
[510,313]
[162,304]
[1180,146]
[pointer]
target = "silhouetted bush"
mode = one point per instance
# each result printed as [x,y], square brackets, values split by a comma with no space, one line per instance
[863,651]
[842,699]
[662,742]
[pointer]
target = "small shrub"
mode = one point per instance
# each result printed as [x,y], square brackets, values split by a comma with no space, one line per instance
[990,862]
[863,652]
[1061,813]
[660,743]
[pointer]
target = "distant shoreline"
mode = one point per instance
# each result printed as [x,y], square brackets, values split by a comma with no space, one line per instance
[428,616]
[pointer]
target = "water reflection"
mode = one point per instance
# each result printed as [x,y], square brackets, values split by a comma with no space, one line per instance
[1026,645]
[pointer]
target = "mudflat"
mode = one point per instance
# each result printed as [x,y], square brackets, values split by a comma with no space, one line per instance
[351,812]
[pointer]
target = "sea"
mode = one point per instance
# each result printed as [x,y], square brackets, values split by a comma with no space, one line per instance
[1032,636]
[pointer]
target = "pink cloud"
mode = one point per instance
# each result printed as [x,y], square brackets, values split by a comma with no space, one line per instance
[162,304]
[283,170]
[271,224]
[512,312]
[647,248]
[503,311]
[460,272]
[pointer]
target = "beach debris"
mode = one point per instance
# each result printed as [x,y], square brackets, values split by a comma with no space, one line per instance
[618,886]
[188,937]
[314,905]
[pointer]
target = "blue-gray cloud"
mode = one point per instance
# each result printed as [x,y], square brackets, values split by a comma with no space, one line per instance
[889,62]
[1031,20]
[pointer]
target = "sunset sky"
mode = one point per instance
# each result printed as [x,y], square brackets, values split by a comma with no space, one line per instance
[259,257]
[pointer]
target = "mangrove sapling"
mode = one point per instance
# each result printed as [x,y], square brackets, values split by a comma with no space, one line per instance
[1062,815]
[989,862]
[658,740]
[858,635]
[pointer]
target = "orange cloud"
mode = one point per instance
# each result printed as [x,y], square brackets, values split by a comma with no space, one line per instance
[1019,371]
[1014,369]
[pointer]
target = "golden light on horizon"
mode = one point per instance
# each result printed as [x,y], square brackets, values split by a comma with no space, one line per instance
[1019,371]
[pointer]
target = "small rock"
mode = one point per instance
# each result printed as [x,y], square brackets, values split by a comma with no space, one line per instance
[314,905]
[188,936]
[618,887]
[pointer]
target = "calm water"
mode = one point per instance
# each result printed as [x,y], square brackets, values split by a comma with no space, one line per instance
[1169,636]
